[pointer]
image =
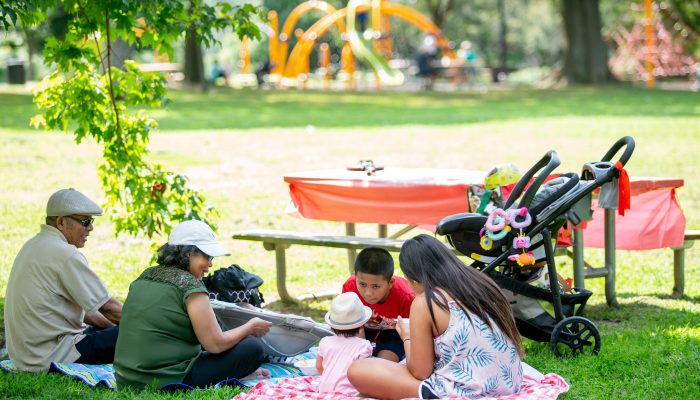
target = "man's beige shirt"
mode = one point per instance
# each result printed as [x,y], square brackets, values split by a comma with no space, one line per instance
[50,289]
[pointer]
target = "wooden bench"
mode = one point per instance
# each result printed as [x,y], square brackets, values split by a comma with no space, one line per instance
[279,241]
[173,72]
[679,262]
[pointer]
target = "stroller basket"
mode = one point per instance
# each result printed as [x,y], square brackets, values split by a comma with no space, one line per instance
[568,300]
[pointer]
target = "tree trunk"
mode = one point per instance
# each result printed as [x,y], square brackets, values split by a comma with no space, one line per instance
[502,32]
[587,55]
[194,63]
[30,40]
[438,10]
[121,51]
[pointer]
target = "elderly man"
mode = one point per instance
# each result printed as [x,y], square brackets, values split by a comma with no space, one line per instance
[52,292]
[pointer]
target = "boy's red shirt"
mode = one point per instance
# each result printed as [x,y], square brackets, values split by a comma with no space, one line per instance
[397,303]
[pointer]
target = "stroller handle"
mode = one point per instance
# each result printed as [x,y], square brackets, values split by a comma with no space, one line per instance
[547,164]
[626,141]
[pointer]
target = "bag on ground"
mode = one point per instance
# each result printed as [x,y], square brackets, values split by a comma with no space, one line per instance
[233,284]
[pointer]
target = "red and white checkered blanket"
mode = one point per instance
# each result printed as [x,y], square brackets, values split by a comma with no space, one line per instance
[535,387]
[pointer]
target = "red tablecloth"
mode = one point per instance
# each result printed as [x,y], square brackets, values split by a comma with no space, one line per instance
[423,196]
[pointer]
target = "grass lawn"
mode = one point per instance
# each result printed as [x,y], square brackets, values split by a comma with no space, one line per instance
[236,145]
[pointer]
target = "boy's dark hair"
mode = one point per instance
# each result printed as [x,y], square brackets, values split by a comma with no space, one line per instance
[375,261]
[346,332]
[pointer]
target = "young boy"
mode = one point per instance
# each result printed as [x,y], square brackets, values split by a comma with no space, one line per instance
[387,295]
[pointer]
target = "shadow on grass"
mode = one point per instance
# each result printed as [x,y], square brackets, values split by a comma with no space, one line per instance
[649,343]
[26,385]
[257,109]
[691,299]
[643,312]
[250,109]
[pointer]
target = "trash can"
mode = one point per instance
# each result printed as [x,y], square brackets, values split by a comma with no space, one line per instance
[15,72]
[499,74]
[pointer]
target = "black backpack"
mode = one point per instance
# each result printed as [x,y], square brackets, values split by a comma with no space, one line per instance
[234,285]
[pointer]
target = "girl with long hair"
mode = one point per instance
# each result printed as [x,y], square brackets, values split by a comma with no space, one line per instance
[462,338]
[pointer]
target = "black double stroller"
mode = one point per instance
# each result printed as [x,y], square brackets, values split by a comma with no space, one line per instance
[539,214]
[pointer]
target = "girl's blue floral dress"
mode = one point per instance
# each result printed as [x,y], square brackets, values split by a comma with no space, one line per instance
[473,360]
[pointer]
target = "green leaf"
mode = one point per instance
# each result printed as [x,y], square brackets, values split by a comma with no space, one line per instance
[140,197]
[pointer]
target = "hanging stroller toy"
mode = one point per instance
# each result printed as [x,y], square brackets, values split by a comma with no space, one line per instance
[515,245]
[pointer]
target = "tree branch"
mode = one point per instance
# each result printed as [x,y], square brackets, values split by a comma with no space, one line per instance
[94,36]
[108,56]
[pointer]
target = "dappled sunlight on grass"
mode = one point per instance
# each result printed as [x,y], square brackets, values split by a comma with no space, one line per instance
[685,332]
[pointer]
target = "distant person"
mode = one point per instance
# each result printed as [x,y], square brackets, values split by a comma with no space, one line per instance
[261,72]
[346,317]
[169,333]
[426,58]
[468,56]
[56,308]
[388,296]
[462,339]
[362,21]
[218,73]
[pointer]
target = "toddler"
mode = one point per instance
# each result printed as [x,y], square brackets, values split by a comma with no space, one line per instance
[335,353]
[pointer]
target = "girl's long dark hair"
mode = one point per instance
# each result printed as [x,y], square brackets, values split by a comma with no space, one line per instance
[429,262]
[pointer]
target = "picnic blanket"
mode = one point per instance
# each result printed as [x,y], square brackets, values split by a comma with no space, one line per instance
[91,375]
[535,386]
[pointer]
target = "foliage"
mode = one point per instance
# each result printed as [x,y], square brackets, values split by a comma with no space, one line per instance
[676,42]
[689,13]
[88,96]
[684,17]
[478,21]
[439,9]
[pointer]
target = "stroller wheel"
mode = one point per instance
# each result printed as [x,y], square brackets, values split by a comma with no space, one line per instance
[574,336]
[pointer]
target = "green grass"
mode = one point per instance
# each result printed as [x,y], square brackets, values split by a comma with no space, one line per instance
[250,109]
[236,145]
[56,386]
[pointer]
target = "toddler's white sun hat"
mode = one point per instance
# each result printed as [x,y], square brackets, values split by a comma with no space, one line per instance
[347,312]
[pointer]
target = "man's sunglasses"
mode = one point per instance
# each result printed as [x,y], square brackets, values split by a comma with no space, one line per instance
[84,222]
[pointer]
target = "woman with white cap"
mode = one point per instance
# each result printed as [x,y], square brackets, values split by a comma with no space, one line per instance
[167,320]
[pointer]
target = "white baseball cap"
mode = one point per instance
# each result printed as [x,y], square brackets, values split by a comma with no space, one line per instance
[347,312]
[197,233]
[71,202]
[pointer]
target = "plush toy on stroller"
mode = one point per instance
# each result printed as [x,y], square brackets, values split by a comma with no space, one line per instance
[515,246]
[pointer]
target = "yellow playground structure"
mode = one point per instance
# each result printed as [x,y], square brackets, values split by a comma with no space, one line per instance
[372,46]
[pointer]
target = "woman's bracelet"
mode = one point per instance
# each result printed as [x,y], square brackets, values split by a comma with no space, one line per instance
[406,340]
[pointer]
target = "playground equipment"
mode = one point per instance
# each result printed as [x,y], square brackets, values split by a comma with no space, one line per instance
[648,50]
[245,78]
[372,46]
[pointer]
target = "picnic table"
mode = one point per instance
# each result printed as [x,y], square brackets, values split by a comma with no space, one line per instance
[423,196]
